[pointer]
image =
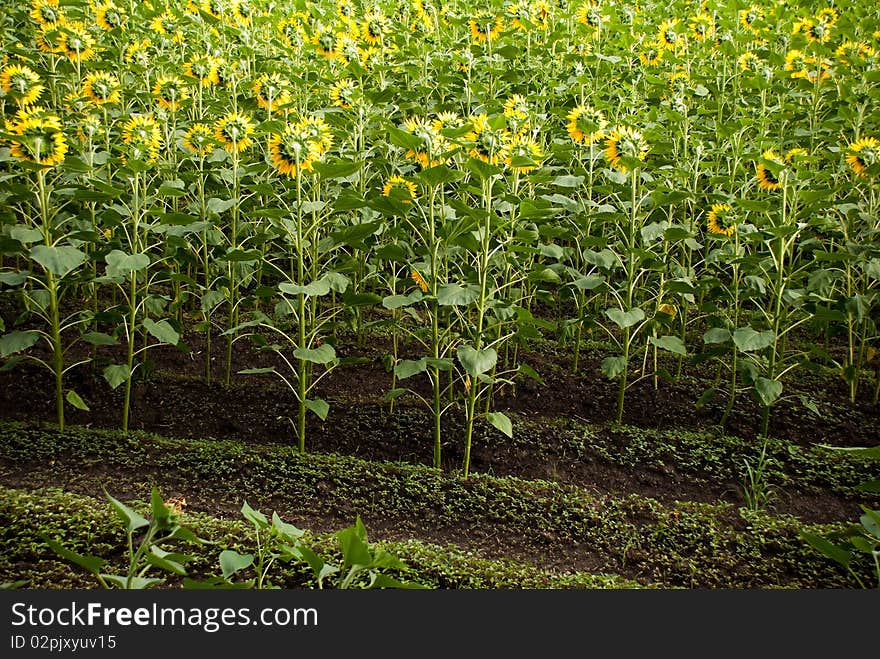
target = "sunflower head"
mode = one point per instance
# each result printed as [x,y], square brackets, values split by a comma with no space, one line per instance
[318,132]
[376,27]
[400,189]
[486,28]
[488,140]
[522,154]
[234,132]
[590,15]
[102,87]
[142,137]
[109,17]
[625,143]
[271,91]
[170,92]
[669,35]
[434,144]
[22,83]
[652,53]
[721,220]
[38,139]
[46,13]
[862,154]
[203,68]
[76,42]
[292,151]
[419,280]
[586,124]
[344,93]
[750,17]
[199,140]
[520,15]
[516,107]
[702,26]
[770,170]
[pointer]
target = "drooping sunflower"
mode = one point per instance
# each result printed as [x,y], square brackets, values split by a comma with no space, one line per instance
[138,52]
[522,154]
[541,10]
[48,38]
[39,140]
[796,155]
[807,67]
[721,220]
[271,91]
[520,15]
[652,53]
[815,31]
[46,12]
[170,92]
[21,82]
[76,42]
[102,87]
[89,127]
[292,151]
[326,41]
[142,136]
[854,53]
[317,131]
[447,120]
[234,131]
[668,34]
[416,276]
[750,17]
[203,68]
[199,140]
[376,27]
[242,13]
[109,17]
[586,124]
[625,142]
[767,178]
[400,189]
[862,154]
[488,141]
[590,15]
[168,25]
[828,16]
[749,61]
[343,93]
[516,107]
[702,26]
[486,28]
[433,142]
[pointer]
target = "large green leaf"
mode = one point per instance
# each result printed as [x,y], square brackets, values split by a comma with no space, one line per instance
[768,390]
[116,374]
[17,341]
[476,362]
[454,295]
[319,406]
[323,354]
[60,261]
[501,421]
[73,398]
[747,339]
[613,367]
[406,368]
[716,335]
[255,517]
[671,343]
[316,288]
[91,563]
[827,548]
[132,520]
[120,264]
[231,562]
[624,319]
[162,331]
[353,543]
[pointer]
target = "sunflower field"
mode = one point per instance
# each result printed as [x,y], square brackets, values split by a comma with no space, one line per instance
[516,256]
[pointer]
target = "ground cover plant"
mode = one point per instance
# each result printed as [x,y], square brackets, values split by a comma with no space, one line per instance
[587,288]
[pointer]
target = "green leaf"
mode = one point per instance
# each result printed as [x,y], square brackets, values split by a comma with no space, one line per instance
[481,169]
[116,374]
[25,234]
[747,339]
[255,517]
[501,421]
[337,169]
[613,367]
[74,399]
[323,354]
[871,521]
[384,581]
[353,543]
[450,295]
[99,339]
[132,520]
[716,335]
[827,548]
[167,561]
[316,288]
[672,344]
[624,319]
[476,362]
[529,372]
[865,453]
[768,391]
[705,397]
[162,331]
[121,264]
[406,368]
[319,406]
[136,583]
[289,531]
[439,174]
[231,562]
[219,206]
[404,140]
[321,569]
[91,563]
[257,371]
[60,261]
[870,486]
[17,341]
[568,181]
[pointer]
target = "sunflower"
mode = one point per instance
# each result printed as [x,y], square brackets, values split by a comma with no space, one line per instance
[292,150]
[748,17]
[520,15]
[317,131]
[522,154]
[541,11]
[39,140]
[434,143]
[47,12]
[702,26]
[109,17]
[271,91]
[516,107]
[862,154]
[828,16]
[668,309]
[242,13]
[403,191]
[144,139]
[486,28]
[343,93]
[76,42]
[447,120]
[170,92]
[749,61]
[722,221]
[203,68]
[668,36]
[652,54]
[815,31]
[625,142]
[345,9]
[327,42]
[292,32]
[851,53]
[418,279]
[590,15]
[488,141]
[168,25]
[102,87]
[767,179]
[89,127]
[137,52]
[199,140]
[799,65]
[48,38]
[375,27]
[796,154]
[586,124]
[22,82]
[234,131]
